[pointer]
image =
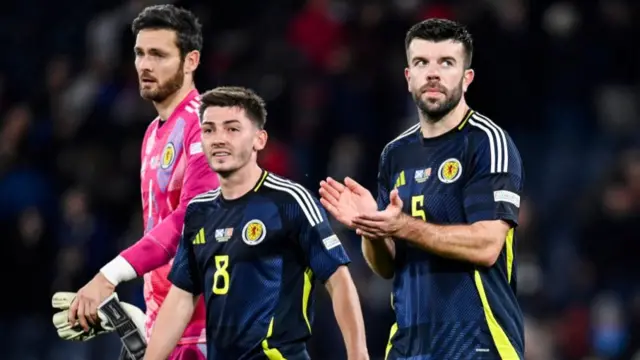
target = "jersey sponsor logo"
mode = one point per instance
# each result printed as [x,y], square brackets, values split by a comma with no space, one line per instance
[507,196]
[199,239]
[422,175]
[400,181]
[331,242]
[223,235]
[168,156]
[450,171]
[254,232]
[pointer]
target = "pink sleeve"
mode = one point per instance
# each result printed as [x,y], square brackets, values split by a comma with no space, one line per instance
[160,244]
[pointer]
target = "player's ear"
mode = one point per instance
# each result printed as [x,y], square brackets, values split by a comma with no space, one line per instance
[467,79]
[260,140]
[191,61]
[407,76]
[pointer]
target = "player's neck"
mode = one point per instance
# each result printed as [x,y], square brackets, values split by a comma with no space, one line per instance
[240,182]
[432,129]
[166,108]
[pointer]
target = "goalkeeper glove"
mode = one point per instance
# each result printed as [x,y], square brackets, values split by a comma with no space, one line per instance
[75,332]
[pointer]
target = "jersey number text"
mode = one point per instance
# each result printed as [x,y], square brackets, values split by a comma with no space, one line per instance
[221,275]
[417,207]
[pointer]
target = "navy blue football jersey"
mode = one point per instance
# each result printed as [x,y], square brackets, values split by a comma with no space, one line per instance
[449,309]
[254,259]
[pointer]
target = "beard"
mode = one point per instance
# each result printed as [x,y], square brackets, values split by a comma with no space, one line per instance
[434,111]
[162,91]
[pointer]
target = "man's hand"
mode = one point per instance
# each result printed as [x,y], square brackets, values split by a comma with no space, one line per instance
[382,224]
[85,306]
[67,331]
[346,202]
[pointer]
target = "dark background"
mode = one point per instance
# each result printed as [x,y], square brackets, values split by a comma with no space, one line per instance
[560,76]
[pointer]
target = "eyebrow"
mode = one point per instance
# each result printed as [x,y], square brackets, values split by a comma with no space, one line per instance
[225,122]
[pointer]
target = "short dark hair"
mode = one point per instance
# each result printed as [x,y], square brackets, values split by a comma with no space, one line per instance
[236,96]
[441,30]
[169,17]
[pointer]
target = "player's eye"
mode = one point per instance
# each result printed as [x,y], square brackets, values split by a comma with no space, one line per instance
[447,63]
[233,129]
[420,63]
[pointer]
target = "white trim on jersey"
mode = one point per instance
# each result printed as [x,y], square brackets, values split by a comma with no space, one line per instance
[299,193]
[404,134]
[193,106]
[206,196]
[498,147]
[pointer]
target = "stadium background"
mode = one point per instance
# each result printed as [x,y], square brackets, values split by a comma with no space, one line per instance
[561,77]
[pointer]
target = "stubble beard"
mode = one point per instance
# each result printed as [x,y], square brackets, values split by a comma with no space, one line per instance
[434,112]
[164,90]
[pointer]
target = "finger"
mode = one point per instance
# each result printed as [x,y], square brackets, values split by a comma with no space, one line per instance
[93,313]
[378,216]
[73,310]
[368,235]
[81,315]
[369,225]
[395,198]
[354,186]
[329,207]
[329,194]
[335,184]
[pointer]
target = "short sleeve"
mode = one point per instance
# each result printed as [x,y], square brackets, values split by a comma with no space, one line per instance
[384,179]
[184,271]
[495,179]
[319,243]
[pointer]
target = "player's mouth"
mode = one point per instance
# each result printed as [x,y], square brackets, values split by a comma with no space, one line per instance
[145,80]
[220,154]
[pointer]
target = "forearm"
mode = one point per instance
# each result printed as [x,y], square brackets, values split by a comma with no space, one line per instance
[348,313]
[158,246]
[379,255]
[461,242]
[174,315]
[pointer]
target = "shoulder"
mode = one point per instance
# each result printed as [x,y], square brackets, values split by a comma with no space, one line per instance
[491,143]
[190,113]
[294,196]
[204,199]
[192,107]
[400,140]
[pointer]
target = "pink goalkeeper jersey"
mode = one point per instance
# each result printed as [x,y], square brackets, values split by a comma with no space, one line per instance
[174,170]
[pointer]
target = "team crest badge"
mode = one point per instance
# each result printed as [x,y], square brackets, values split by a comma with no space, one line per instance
[450,171]
[254,232]
[422,175]
[168,156]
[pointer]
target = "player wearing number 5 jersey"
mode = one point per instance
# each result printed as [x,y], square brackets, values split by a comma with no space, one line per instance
[253,249]
[448,198]
[174,169]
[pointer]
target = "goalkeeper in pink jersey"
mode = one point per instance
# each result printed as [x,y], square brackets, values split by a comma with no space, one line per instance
[174,170]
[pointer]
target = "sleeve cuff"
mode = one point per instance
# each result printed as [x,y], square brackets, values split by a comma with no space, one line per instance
[118,270]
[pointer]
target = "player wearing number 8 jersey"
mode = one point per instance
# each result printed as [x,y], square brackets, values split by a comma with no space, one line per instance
[448,198]
[252,249]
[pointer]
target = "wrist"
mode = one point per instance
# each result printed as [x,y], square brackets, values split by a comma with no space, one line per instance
[118,270]
[404,221]
[361,353]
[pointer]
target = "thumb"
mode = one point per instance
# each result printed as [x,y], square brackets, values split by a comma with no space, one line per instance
[353,185]
[395,198]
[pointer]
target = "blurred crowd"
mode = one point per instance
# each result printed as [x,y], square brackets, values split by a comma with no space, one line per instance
[561,77]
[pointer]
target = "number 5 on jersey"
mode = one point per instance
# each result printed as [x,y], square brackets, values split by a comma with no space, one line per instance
[221,275]
[417,207]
